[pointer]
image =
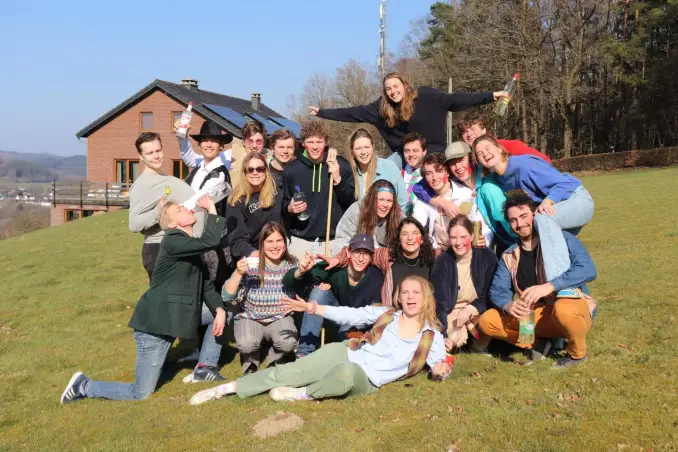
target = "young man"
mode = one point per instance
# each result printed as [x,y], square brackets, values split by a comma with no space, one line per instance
[519,286]
[474,124]
[170,308]
[355,286]
[310,174]
[146,192]
[414,151]
[437,178]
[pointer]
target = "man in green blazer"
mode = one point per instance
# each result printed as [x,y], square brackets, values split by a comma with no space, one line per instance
[170,308]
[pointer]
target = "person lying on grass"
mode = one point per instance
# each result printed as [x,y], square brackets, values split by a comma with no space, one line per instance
[400,343]
[170,308]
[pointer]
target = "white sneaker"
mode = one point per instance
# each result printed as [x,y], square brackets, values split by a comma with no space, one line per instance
[288,394]
[205,396]
[188,378]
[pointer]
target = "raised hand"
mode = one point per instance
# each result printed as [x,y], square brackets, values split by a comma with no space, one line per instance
[331,261]
[241,266]
[306,263]
[314,110]
[205,202]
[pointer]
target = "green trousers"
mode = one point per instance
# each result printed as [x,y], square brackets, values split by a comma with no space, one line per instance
[327,372]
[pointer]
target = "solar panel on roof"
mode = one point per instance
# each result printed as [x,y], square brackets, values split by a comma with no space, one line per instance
[228,114]
[270,125]
[292,126]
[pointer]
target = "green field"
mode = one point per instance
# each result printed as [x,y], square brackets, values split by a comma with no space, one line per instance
[68,292]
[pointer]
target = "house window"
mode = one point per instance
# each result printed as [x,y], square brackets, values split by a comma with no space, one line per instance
[176,116]
[126,171]
[179,169]
[146,121]
[76,214]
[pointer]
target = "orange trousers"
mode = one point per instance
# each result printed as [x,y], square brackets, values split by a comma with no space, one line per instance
[568,317]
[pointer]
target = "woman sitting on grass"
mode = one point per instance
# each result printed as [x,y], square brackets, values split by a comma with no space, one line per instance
[399,345]
[263,318]
[377,215]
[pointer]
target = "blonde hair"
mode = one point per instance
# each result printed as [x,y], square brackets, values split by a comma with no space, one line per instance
[428,309]
[391,112]
[368,177]
[165,216]
[244,188]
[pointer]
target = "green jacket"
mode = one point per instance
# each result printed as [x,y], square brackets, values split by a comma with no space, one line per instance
[179,285]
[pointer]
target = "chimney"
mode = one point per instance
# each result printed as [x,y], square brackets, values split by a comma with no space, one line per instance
[256,101]
[189,83]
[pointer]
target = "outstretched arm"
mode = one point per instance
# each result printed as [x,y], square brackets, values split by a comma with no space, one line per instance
[358,317]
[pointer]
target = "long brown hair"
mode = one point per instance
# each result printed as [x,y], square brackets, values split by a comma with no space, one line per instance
[391,112]
[428,308]
[368,177]
[244,188]
[493,141]
[268,230]
[368,218]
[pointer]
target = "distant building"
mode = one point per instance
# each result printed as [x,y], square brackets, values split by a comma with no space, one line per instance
[112,161]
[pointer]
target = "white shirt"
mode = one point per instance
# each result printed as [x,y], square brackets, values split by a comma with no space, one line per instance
[437,222]
[216,187]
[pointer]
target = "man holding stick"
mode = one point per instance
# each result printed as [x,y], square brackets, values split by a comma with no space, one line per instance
[327,184]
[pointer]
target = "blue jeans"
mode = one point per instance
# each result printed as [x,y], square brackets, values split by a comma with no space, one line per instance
[309,336]
[152,351]
[570,215]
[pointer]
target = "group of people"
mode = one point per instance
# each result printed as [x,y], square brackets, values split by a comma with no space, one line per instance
[411,258]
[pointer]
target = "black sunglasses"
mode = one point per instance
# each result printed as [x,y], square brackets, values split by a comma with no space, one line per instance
[256,169]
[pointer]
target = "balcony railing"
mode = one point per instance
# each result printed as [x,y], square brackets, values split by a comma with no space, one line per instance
[91,193]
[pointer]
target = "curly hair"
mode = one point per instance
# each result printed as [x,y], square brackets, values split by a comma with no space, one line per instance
[518,198]
[368,218]
[468,120]
[425,252]
[315,129]
[428,305]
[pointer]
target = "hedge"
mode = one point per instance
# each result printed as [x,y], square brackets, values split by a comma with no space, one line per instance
[619,160]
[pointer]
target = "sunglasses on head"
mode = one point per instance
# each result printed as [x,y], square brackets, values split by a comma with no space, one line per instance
[256,169]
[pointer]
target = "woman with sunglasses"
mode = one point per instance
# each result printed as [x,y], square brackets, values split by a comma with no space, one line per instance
[254,202]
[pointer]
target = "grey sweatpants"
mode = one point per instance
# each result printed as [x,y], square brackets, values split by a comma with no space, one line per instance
[251,336]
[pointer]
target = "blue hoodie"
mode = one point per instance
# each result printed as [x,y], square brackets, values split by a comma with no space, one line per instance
[582,270]
[536,177]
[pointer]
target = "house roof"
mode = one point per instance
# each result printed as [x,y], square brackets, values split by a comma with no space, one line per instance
[185,94]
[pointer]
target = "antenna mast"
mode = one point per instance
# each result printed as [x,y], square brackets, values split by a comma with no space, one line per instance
[382,38]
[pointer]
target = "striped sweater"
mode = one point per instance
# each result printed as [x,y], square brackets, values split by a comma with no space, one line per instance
[263,303]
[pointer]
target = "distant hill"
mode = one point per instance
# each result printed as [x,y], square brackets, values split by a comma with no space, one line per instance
[25,167]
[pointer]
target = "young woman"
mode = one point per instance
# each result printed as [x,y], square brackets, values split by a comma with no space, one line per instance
[253,203]
[398,347]
[263,319]
[564,203]
[461,277]
[409,254]
[437,178]
[403,108]
[283,145]
[377,215]
[489,198]
[367,168]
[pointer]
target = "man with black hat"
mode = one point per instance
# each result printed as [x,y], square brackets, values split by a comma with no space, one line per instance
[355,286]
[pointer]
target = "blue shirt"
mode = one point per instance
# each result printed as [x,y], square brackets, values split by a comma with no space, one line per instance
[386,170]
[388,359]
[537,178]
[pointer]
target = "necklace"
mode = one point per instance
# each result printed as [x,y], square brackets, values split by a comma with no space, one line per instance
[413,265]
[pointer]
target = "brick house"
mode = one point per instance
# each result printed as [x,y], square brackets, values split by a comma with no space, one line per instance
[112,160]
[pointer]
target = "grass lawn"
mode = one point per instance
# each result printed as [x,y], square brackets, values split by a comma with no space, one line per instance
[68,293]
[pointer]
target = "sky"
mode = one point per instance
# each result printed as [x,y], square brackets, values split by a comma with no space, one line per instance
[67,63]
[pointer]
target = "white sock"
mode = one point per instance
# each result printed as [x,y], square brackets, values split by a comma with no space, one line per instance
[304,395]
[225,389]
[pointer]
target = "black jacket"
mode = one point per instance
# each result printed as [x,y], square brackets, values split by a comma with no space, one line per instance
[430,114]
[244,223]
[221,205]
[446,284]
[314,181]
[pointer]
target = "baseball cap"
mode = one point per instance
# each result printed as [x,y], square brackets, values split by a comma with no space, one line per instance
[457,150]
[361,242]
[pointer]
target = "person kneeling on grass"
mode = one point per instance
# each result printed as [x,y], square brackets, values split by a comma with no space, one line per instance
[520,286]
[263,318]
[400,343]
[170,308]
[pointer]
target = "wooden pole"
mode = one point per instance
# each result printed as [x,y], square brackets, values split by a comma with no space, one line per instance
[332,155]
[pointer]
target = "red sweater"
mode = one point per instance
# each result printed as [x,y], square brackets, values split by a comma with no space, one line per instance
[517,147]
